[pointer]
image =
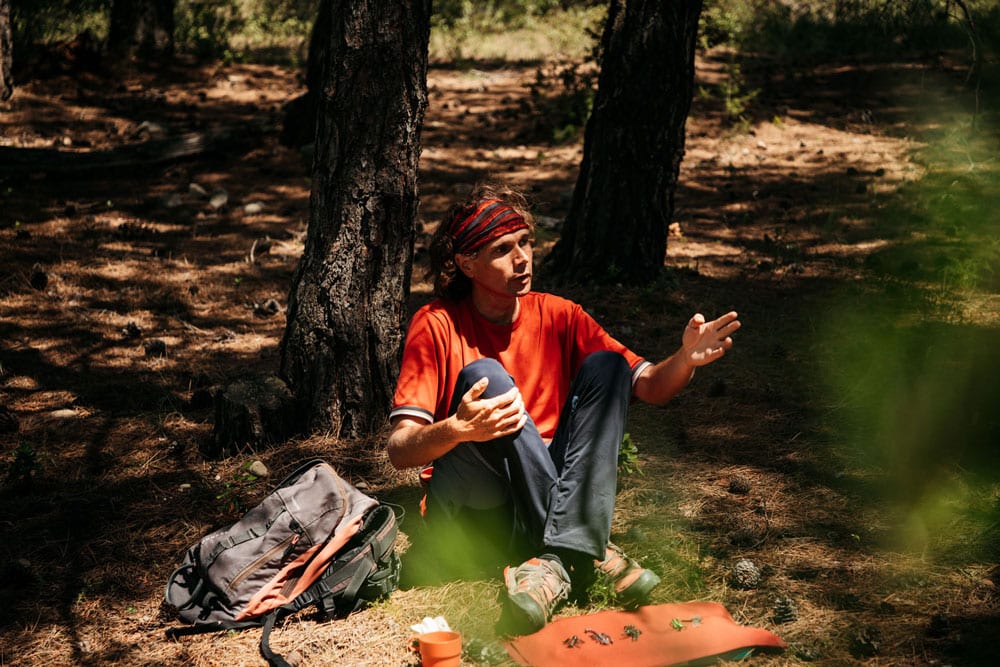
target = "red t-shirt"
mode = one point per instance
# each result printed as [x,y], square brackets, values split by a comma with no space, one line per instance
[542,350]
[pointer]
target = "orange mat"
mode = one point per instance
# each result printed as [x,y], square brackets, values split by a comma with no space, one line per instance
[650,636]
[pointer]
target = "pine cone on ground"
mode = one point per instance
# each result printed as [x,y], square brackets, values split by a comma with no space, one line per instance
[739,484]
[745,575]
[38,279]
[746,531]
[867,642]
[785,610]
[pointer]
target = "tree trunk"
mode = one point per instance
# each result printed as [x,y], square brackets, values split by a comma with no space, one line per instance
[142,29]
[623,202]
[346,311]
[6,52]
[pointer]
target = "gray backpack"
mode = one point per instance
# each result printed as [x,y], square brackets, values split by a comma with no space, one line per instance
[315,539]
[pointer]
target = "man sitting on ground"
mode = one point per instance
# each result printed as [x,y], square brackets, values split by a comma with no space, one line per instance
[519,400]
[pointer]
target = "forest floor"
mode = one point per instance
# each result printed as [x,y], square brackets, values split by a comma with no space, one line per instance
[128,294]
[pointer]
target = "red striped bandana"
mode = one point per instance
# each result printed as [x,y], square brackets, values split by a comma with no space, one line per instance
[490,220]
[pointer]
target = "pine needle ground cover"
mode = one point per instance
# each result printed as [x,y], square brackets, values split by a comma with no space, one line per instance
[845,448]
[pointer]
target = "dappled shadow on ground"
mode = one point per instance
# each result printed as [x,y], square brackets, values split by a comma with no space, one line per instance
[793,225]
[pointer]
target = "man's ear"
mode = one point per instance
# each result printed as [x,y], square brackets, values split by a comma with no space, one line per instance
[464,264]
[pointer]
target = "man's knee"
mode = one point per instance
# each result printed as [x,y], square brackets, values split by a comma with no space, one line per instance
[499,378]
[606,364]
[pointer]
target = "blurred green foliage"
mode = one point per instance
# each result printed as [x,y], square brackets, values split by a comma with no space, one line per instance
[911,359]
[916,411]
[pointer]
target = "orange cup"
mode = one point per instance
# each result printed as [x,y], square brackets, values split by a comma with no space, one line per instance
[440,649]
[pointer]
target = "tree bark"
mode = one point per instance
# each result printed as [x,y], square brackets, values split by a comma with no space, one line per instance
[623,201]
[142,29]
[346,311]
[6,52]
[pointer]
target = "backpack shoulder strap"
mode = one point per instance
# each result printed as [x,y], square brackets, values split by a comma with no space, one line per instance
[273,659]
[367,569]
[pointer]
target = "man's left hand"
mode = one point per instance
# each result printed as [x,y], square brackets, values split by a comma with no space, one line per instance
[704,342]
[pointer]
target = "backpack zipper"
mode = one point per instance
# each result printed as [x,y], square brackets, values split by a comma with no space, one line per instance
[288,551]
[285,545]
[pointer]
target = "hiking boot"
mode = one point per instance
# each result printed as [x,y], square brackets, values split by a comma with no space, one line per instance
[534,588]
[631,582]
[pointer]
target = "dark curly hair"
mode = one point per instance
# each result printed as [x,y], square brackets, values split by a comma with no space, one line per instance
[449,281]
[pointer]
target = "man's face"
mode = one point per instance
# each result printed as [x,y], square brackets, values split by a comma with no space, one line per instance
[502,267]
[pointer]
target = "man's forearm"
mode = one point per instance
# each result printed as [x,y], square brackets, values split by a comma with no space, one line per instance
[660,383]
[412,444]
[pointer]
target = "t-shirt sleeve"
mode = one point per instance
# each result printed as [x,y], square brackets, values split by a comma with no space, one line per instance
[591,337]
[418,389]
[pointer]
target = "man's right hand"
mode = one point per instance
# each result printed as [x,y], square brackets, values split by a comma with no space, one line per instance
[484,419]
[413,442]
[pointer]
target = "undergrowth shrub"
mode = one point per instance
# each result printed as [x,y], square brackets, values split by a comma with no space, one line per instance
[41,22]
[273,31]
[562,97]
[807,32]
[204,27]
[820,29]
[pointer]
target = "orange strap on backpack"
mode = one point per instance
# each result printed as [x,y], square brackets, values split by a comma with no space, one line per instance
[299,574]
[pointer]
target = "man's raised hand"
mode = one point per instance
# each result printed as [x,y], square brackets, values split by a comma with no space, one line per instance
[704,342]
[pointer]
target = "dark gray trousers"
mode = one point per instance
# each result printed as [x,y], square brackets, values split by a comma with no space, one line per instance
[561,496]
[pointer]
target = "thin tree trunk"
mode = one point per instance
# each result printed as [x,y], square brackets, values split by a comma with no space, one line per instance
[142,29]
[6,52]
[623,202]
[346,313]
